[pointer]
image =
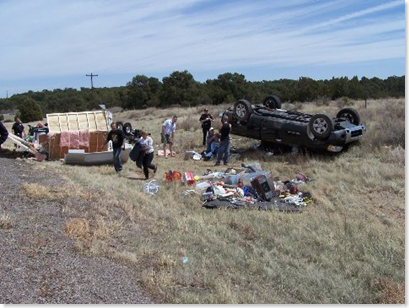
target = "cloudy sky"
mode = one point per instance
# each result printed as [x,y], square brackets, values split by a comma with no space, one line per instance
[49,44]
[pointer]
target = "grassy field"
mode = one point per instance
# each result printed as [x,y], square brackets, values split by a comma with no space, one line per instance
[347,247]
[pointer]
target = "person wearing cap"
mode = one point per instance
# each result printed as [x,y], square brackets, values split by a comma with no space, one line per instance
[206,120]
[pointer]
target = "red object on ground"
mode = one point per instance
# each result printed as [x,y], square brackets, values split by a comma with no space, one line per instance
[188,178]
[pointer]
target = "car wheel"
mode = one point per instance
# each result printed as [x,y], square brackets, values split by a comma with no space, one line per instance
[119,125]
[321,126]
[349,114]
[127,128]
[242,110]
[272,101]
[137,133]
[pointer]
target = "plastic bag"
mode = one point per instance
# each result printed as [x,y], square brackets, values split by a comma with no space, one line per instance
[151,187]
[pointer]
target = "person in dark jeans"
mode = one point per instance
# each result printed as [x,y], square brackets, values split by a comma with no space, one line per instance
[206,120]
[18,128]
[3,134]
[224,148]
[117,137]
[147,145]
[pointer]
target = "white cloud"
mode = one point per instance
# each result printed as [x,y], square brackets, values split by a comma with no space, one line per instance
[43,38]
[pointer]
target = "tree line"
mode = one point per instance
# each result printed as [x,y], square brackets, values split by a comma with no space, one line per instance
[180,88]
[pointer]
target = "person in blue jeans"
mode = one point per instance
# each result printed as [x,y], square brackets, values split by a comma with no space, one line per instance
[117,137]
[224,148]
[213,142]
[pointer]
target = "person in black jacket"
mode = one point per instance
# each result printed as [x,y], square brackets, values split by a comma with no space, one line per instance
[206,120]
[117,137]
[3,134]
[18,128]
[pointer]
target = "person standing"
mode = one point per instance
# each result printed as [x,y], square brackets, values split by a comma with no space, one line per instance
[206,120]
[117,137]
[224,148]
[3,134]
[168,134]
[18,128]
[147,144]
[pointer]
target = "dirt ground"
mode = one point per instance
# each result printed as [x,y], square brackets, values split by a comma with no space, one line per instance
[37,261]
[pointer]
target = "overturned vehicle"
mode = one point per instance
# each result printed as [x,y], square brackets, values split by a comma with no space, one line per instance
[277,127]
[132,135]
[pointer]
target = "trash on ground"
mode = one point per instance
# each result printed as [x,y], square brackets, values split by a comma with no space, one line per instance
[192,154]
[248,186]
[185,260]
[161,153]
[151,187]
[173,176]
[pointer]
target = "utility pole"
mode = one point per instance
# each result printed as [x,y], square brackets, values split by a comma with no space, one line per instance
[92,75]
[92,86]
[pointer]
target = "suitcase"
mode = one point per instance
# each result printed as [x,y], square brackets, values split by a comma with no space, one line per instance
[261,184]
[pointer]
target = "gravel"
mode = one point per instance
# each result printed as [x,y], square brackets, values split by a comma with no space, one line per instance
[37,262]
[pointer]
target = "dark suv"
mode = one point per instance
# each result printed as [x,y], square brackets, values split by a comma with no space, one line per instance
[271,124]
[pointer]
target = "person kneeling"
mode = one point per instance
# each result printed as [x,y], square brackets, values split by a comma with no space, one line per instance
[213,142]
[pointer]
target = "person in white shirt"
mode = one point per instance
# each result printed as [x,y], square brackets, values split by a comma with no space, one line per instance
[168,134]
[147,145]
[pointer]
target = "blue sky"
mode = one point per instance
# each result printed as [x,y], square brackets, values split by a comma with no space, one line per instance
[49,44]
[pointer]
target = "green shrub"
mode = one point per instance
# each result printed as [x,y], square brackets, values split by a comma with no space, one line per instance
[30,111]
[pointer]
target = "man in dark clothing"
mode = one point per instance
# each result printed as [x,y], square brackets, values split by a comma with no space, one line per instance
[117,137]
[206,120]
[18,128]
[224,148]
[3,134]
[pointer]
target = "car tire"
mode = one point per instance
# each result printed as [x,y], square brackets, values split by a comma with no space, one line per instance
[127,128]
[137,133]
[242,110]
[321,126]
[119,125]
[272,101]
[349,114]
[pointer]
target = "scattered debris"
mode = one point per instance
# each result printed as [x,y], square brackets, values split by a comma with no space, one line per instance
[30,147]
[173,176]
[151,187]
[192,154]
[247,187]
[185,260]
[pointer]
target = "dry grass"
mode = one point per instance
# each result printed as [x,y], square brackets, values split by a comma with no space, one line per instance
[54,193]
[78,227]
[5,221]
[346,247]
